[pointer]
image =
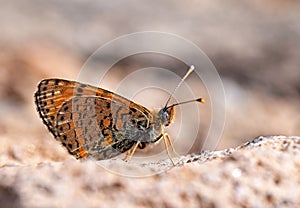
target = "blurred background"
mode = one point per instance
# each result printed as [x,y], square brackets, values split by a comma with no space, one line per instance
[255,46]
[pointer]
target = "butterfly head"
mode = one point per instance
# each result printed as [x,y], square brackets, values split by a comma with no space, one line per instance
[166,115]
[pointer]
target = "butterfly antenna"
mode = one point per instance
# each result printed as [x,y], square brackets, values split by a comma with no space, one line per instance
[190,70]
[200,100]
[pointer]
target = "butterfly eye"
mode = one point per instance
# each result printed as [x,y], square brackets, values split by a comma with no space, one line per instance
[166,115]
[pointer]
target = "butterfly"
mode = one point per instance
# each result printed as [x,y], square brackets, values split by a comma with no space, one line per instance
[92,122]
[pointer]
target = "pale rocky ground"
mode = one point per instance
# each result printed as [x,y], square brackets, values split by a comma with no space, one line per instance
[261,173]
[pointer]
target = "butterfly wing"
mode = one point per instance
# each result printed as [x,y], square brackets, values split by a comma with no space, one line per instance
[88,120]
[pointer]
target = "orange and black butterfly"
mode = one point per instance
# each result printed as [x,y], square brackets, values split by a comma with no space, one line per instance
[96,123]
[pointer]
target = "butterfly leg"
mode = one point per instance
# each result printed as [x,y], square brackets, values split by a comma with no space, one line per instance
[167,148]
[171,144]
[131,152]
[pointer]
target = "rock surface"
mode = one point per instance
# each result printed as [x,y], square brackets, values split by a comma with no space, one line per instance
[261,173]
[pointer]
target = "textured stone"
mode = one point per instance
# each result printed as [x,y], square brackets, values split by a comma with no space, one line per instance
[260,173]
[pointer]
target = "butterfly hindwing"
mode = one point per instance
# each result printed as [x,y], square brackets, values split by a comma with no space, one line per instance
[98,125]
